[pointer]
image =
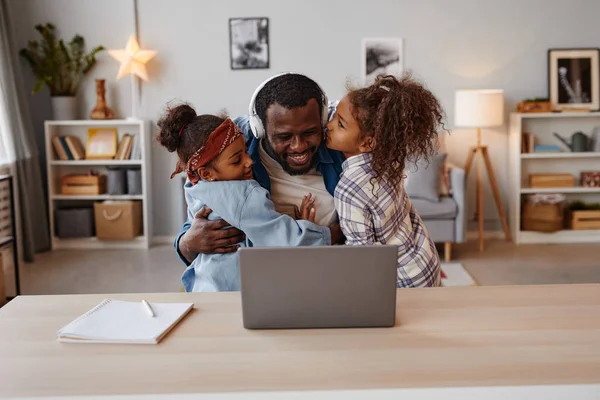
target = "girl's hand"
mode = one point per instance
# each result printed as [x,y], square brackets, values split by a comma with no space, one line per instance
[307,209]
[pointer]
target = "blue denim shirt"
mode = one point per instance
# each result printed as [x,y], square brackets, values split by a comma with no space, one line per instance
[328,163]
[247,206]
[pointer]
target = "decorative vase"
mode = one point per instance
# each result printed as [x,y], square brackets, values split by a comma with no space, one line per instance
[101,111]
[64,108]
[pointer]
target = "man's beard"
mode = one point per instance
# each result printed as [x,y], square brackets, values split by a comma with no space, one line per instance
[283,162]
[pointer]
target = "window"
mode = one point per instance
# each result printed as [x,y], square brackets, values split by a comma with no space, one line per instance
[6,140]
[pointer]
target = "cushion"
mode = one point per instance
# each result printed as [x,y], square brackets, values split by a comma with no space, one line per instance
[445,208]
[445,181]
[423,178]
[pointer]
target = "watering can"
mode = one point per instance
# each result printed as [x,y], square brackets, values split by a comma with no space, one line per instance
[579,142]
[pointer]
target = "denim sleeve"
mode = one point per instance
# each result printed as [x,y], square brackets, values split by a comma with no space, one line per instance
[265,227]
[183,230]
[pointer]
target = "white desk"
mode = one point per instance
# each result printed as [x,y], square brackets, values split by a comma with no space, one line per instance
[448,341]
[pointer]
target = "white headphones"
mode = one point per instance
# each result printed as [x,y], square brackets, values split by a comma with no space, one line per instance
[256,124]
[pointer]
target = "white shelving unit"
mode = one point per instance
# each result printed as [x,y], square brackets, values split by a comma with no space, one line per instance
[56,168]
[96,162]
[542,125]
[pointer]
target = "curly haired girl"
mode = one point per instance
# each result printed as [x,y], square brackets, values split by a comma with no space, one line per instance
[379,128]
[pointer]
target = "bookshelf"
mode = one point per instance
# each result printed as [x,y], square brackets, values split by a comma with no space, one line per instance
[57,168]
[521,165]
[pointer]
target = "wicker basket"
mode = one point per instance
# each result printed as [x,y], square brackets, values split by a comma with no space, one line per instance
[543,217]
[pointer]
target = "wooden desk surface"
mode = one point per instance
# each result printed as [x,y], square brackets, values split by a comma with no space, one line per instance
[481,336]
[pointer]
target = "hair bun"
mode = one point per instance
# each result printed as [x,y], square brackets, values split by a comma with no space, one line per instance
[172,123]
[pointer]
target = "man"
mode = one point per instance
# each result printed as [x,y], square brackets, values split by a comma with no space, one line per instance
[284,136]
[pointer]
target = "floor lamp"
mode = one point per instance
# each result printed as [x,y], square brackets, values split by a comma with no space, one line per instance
[481,109]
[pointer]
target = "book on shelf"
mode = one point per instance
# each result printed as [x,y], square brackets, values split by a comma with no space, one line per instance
[60,151]
[129,145]
[68,148]
[76,147]
[136,152]
[124,150]
[546,148]
[527,142]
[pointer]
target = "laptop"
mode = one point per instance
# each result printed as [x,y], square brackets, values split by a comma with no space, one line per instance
[318,287]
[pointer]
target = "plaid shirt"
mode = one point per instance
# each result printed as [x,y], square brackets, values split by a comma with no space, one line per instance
[387,218]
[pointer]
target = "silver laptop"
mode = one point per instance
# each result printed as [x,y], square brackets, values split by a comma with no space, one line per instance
[318,287]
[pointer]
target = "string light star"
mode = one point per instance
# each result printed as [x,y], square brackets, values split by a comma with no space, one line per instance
[133,60]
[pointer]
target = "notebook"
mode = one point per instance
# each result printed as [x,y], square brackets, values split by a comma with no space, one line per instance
[115,321]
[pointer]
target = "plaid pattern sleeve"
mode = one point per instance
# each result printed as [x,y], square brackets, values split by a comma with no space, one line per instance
[353,213]
[370,212]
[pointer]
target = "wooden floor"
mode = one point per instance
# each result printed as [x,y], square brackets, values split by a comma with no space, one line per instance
[159,269]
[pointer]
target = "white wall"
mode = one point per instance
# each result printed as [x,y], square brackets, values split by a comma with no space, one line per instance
[448,44]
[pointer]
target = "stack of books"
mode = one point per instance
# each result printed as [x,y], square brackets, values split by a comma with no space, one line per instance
[68,148]
[528,145]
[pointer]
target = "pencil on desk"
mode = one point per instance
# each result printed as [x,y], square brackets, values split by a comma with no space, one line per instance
[148,308]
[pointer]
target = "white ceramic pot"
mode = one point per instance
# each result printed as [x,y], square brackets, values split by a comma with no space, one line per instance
[64,108]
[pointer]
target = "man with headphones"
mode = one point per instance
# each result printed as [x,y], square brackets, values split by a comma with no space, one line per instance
[284,133]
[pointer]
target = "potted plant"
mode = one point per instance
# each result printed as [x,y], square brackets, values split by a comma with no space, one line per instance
[60,67]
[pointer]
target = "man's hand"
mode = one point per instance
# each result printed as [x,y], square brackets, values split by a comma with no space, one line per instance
[208,237]
[307,210]
[337,237]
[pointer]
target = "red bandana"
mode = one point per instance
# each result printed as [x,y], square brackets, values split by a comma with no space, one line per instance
[218,140]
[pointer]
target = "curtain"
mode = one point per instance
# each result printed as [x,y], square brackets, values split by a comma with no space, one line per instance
[17,145]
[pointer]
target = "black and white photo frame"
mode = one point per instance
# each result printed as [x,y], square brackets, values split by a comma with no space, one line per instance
[249,43]
[574,79]
[382,56]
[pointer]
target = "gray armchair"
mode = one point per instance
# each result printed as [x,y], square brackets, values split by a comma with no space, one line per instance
[446,220]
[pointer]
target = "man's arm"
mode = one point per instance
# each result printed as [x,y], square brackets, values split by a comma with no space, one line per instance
[206,237]
[182,252]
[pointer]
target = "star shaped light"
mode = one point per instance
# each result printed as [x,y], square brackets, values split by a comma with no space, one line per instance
[132,59]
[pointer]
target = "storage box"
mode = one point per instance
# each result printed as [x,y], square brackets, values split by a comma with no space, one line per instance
[543,217]
[116,182]
[590,178]
[537,181]
[83,184]
[120,220]
[534,107]
[74,222]
[134,181]
[584,219]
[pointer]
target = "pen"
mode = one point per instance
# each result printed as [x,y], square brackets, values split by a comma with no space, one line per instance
[148,308]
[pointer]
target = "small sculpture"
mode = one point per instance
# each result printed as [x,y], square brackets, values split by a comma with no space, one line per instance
[101,111]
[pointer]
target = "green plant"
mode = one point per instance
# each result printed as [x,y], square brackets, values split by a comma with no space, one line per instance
[579,205]
[535,99]
[56,64]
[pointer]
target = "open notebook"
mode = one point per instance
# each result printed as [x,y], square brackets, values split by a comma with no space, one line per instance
[115,321]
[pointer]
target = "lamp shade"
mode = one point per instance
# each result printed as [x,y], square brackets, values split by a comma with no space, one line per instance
[479,108]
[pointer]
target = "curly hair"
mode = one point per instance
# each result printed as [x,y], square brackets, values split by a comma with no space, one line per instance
[181,130]
[403,117]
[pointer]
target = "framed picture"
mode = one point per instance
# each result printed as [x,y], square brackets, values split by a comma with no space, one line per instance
[574,78]
[101,143]
[249,43]
[381,56]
